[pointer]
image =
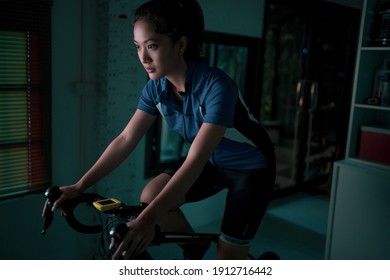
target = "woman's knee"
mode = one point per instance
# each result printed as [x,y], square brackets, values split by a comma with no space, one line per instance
[154,187]
[227,251]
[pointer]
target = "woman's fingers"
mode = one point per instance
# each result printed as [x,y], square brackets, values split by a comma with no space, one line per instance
[44,208]
[134,249]
[121,252]
[129,247]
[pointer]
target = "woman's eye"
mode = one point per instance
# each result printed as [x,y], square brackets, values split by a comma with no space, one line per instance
[152,46]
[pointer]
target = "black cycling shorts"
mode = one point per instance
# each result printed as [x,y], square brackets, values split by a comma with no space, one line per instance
[246,202]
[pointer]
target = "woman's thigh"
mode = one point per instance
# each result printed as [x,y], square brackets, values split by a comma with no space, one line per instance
[246,203]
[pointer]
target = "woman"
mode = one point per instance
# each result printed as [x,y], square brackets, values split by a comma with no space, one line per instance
[203,105]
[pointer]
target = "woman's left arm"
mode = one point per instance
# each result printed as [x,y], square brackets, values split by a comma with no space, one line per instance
[141,230]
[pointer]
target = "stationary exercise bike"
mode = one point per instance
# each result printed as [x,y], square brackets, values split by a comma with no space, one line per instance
[114,228]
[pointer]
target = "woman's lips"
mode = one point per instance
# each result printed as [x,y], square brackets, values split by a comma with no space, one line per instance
[150,70]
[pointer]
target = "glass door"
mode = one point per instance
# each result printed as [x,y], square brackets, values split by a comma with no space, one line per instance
[306,45]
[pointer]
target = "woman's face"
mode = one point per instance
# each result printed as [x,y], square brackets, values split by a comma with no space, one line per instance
[157,53]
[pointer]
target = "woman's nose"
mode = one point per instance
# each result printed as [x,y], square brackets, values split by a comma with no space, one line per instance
[144,56]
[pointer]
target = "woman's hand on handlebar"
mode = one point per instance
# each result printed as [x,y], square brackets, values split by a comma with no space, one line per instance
[67,192]
[138,237]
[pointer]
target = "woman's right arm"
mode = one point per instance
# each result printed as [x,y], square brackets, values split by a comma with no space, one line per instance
[118,150]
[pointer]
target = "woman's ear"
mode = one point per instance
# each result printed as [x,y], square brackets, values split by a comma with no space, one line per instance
[182,44]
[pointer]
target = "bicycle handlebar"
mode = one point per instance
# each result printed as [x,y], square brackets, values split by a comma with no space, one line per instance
[68,206]
[119,230]
[53,193]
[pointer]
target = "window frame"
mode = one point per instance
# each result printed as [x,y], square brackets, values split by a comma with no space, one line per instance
[32,17]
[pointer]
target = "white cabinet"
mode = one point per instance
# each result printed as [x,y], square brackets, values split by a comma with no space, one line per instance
[359,216]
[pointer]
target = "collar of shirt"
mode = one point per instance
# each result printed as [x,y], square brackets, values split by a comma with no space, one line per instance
[166,96]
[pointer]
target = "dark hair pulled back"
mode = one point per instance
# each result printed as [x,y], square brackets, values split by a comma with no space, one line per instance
[176,18]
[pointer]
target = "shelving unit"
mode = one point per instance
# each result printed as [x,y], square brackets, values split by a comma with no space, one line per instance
[369,59]
[359,227]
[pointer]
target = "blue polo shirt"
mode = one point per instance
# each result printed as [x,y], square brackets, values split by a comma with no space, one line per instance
[211,97]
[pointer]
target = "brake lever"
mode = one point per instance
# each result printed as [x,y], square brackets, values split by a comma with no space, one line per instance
[117,234]
[52,194]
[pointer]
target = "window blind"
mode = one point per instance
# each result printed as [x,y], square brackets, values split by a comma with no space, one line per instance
[25,86]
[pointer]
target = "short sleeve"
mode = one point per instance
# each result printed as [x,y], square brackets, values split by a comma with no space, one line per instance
[220,103]
[147,101]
